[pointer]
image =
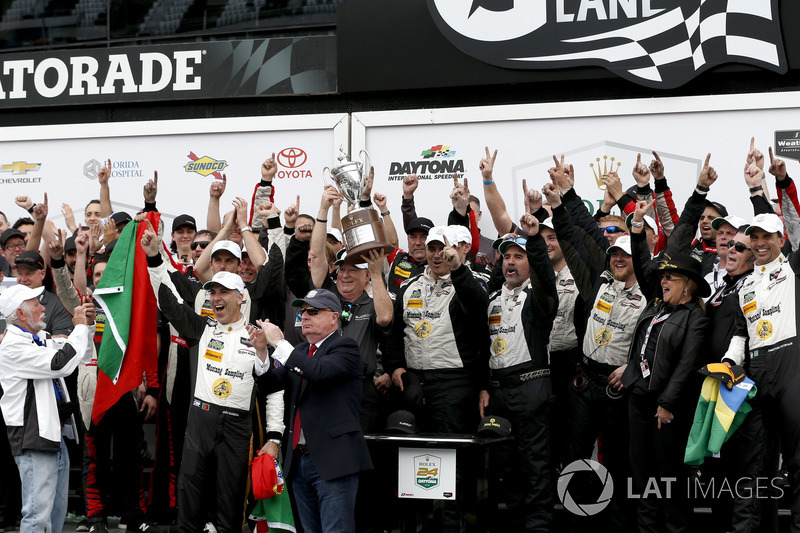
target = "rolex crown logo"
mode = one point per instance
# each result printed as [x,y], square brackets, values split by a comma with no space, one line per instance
[598,173]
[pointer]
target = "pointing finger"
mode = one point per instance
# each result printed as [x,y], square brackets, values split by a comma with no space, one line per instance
[771,157]
[708,158]
[638,159]
[155,178]
[656,156]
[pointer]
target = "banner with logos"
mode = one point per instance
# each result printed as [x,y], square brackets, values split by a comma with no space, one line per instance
[593,136]
[63,161]
[214,69]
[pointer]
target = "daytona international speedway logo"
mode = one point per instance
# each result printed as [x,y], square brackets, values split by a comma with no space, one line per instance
[660,44]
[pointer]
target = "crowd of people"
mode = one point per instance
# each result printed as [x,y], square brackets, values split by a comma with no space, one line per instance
[586,331]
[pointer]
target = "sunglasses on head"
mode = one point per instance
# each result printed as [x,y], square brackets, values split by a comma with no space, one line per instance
[312,311]
[669,276]
[739,246]
[201,244]
[612,229]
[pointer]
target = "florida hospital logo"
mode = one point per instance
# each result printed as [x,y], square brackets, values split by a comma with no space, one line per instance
[660,44]
[585,508]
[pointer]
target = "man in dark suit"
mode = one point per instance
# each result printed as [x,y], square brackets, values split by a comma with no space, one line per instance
[325,450]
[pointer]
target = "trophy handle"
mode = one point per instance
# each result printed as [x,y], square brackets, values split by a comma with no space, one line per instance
[326,173]
[366,163]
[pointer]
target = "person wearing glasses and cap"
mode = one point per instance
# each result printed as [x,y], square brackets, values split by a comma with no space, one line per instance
[661,378]
[219,428]
[326,450]
[520,318]
[613,304]
[12,243]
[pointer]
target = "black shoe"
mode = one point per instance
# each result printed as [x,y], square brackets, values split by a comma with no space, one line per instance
[98,527]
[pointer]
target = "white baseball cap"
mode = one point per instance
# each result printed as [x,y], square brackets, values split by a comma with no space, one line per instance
[623,243]
[15,296]
[227,246]
[462,234]
[438,233]
[733,220]
[335,233]
[769,222]
[341,256]
[647,220]
[229,280]
[548,223]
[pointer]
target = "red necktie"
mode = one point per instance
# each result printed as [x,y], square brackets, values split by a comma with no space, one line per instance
[296,431]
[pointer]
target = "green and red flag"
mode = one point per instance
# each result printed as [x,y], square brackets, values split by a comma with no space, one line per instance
[128,348]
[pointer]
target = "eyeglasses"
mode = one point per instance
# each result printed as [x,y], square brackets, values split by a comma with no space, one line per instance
[739,246]
[202,244]
[19,246]
[312,311]
[669,276]
[612,229]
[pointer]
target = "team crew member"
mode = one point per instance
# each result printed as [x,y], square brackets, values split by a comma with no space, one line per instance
[767,329]
[596,407]
[36,405]
[326,449]
[726,229]
[437,333]
[520,319]
[219,428]
[406,265]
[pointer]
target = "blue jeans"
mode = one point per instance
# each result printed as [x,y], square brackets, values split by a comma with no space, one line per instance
[324,506]
[45,487]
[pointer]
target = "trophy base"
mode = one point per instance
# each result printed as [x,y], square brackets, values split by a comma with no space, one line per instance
[363,231]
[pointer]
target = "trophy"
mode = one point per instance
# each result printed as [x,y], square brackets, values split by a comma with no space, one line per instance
[362,228]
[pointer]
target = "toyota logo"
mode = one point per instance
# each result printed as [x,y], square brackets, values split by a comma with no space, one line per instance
[292,157]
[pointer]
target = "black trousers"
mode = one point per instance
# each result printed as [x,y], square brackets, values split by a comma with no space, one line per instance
[525,464]
[657,467]
[215,454]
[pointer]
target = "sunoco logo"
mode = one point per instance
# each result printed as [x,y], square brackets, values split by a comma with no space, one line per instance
[438,162]
[585,508]
[293,159]
[205,165]
[427,471]
[660,44]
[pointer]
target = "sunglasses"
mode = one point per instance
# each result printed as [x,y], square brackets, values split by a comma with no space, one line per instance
[347,312]
[612,229]
[202,244]
[739,246]
[312,311]
[669,276]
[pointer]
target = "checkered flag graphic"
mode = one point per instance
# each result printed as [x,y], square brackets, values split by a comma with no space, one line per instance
[672,47]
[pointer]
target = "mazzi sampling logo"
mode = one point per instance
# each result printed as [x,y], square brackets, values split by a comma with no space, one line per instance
[438,162]
[660,44]
[583,508]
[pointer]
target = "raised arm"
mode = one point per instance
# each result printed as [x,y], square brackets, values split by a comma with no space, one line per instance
[215,192]
[319,235]
[202,267]
[543,280]
[249,238]
[388,225]
[264,192]
[409,211]
[642,264]
[105,193]
[494,201]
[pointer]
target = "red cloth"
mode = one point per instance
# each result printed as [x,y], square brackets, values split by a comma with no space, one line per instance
[296,430]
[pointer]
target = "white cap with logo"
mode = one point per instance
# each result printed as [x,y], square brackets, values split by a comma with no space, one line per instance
[438,234]
[229,280]
[623,243]
[227,246]
[769,222]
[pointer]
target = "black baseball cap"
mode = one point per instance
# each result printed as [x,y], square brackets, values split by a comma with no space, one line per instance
[9,233]
[422,223]
[69,244]
[494,425]
[320,299]
[121,218]
[30,259]
[401,422]
[184,220]
[723,212]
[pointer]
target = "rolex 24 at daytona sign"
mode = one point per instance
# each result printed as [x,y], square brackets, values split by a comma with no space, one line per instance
[658,43]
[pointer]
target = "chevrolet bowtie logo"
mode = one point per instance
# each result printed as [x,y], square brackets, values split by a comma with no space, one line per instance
[20,167]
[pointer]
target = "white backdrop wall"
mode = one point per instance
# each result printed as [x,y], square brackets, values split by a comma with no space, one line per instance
[681,130]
